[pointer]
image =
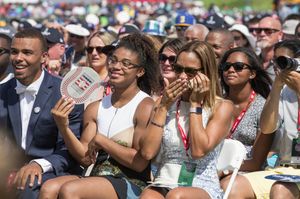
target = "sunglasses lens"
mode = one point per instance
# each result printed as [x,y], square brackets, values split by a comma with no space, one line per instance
[177,68]
[238,66]
[91,49]
[99,49]
[164,58]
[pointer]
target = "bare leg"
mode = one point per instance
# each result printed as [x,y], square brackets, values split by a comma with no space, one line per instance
[282,190]
[188,193]
[153,193]
[50,188]
[88,188]
[241,188]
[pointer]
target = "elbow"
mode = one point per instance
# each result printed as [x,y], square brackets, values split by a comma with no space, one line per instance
[147,155]
[197,153]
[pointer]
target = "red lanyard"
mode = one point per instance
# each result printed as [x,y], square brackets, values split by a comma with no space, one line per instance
[184,137]
[298,123]
[242,114]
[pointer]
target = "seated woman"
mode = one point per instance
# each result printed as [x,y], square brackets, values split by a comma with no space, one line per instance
[274,116]
[113,128]
[189,122]
[247,85]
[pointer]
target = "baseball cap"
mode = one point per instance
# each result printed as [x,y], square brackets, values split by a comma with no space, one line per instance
[214,21]
[77,29]
[8,31]
[184,19]
[153,27]
[289,26]
[128,28]
[244,31]
[52,35]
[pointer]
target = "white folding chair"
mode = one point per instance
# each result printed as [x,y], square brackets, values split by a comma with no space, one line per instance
[231,157]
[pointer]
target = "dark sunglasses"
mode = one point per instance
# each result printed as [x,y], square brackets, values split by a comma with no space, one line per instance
[4,51]
[164,58]
[91,49]
[238,66]
[267,31]
[76,36]
[297,34]
[252,30]
[189,71]
[181,28]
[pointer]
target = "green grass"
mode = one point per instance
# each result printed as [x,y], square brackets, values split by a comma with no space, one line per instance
[259,5]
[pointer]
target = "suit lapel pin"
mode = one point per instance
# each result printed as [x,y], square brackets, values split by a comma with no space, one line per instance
[37,109]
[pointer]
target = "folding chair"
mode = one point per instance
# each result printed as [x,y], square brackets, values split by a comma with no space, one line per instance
[231,157]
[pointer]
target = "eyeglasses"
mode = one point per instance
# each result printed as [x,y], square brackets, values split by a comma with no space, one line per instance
[238,66]
[267,31]
[187,70]
[164,58]
[4,51]
[90,49]
[113,60]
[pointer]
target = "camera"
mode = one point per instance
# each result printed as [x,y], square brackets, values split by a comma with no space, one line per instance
[286,63]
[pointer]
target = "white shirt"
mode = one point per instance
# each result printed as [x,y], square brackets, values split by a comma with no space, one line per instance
[288,114]
[7,78]
[27,100]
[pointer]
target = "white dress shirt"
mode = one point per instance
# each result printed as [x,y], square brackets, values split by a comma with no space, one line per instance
[27,96]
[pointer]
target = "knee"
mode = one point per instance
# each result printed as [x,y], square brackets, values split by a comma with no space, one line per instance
[284,190]
[174,194]
[67,191]
[49,189]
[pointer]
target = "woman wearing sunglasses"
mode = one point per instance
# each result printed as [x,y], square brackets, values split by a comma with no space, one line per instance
[247,85]
[112,128]
[189,122]
[96,58]
[167,57]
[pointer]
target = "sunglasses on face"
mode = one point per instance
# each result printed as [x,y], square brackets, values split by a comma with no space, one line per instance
[126,63]
[237,66]
[181,28]
[4,51]
[164,58]
[76,36]
[189,71]
[297,34]
[267,31]
[90,49]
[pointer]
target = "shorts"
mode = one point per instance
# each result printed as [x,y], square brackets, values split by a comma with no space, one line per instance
[261,186]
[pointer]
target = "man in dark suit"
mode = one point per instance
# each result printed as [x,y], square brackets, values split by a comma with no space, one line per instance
[25,110]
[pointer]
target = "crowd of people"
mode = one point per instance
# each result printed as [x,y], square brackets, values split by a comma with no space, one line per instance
[171,93]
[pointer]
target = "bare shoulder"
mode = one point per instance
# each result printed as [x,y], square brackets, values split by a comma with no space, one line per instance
[145,106]
[91,111]
[224,105]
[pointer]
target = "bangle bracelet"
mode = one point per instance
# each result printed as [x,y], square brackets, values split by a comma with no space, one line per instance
[197,110]
[158,125]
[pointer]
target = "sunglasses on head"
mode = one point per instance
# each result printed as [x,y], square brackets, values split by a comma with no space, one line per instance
[189,71]
[267,31]
[238,66]
[164,58]
[90,49]
[3,51]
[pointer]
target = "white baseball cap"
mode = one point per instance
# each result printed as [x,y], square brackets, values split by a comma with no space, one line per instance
[244,31]
[77,29]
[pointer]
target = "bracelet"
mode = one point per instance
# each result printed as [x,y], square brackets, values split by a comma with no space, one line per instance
[158,125]
[197,110]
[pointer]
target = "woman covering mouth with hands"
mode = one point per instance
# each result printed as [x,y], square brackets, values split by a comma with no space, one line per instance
[189,122]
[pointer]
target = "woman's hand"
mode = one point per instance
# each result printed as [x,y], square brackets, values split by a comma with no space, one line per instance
[200,86]
[173,91]
[61,111]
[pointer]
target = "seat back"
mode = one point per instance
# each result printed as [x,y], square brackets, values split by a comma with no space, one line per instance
[231,157]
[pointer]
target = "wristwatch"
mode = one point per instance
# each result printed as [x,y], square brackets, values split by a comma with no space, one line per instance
[197,110]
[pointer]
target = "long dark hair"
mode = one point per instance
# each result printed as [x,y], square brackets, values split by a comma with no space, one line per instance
[261,83]
[148,59]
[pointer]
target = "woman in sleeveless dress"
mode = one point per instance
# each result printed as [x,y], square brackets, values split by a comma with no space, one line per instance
[187,126]
[112,128]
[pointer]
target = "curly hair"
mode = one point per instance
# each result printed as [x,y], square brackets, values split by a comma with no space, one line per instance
[206,56]
[261,84]
[148,59]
